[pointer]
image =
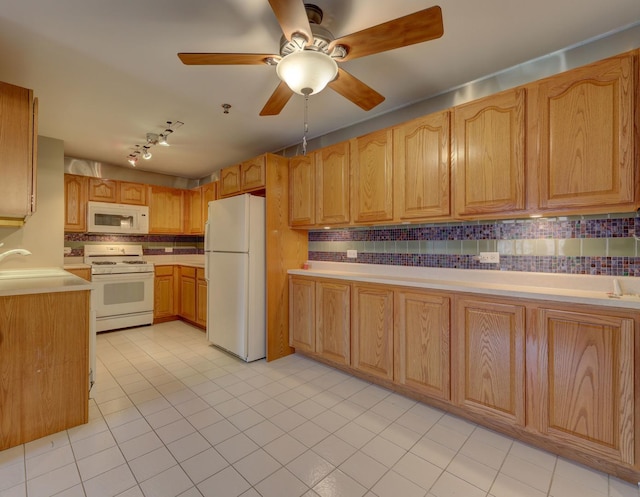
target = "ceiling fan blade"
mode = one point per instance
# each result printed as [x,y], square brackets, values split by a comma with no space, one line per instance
[292,18]
[277,100]
[414,28]
[223,59]
[355,90]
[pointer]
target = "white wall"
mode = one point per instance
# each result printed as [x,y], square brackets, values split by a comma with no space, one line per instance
[43,233]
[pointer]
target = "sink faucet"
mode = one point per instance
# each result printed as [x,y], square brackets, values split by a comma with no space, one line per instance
[12,252]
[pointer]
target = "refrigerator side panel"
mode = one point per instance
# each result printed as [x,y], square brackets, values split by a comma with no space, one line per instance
[256,329]
[228,301]
[228,225]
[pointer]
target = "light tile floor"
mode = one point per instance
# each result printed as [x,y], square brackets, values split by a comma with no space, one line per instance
[172,416]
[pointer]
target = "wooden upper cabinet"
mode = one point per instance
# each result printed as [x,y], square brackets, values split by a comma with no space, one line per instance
[488,358]
[132,193]
[302,205]
[248,176]
[18,153]
[166,210]
[103,190]
[584,123]
[124,192]
[372,177]
[372,330]
[252,174]
[209,193]
[75,202]
[489,155]
[422,168]
[193,223]
[421,342]
[230,181]
[583,381]
[332,184]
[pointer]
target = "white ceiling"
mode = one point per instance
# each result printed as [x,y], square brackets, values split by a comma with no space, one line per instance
[106,72]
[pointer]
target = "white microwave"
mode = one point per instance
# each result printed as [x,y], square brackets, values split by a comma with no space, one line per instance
[104,217]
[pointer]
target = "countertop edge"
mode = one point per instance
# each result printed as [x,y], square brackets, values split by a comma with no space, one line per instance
[566,295]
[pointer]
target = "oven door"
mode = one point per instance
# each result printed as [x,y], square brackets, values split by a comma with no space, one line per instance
[121,294]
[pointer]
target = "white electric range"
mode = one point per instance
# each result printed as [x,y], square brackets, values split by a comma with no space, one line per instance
[123,285]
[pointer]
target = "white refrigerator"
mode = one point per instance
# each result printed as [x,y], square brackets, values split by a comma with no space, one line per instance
[235,273]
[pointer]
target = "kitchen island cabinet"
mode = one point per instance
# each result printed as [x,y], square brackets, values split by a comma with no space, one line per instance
[44,364]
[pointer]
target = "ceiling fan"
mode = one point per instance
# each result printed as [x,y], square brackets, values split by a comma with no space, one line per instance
[308,49]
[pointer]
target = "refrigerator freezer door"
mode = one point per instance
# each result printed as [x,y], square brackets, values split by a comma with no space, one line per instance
[228,225]
[228,295]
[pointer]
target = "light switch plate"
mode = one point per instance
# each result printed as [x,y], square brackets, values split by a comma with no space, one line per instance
[352,254]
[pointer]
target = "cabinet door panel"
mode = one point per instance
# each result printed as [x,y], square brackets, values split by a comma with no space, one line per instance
[372,170]
[75,207]
[490,155]
[332,184]
[103,190]
[489,358]
[252,174]
[230,181]
[421,355]
[333,321]
[302,203]
[586,381]
[585,121]
[166,210]
[422,159]
[302,314]
[132,193]
[372,330]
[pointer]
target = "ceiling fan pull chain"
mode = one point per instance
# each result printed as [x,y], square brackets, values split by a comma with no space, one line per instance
[306,123]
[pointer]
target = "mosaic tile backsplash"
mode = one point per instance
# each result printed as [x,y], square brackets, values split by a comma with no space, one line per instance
[596,245]
[151,244]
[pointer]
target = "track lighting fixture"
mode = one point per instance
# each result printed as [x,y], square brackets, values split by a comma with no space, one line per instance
[144,151]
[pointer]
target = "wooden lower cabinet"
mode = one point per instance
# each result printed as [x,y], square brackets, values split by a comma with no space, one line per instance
[488,358]
[164,293]
[421,342]
[333,321]
[188,293]
[201,298]
[582,381]
[372,330]
[44,365]
[558,375]
[302,313]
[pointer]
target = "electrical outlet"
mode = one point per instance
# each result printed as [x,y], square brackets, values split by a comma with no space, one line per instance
[352,254]
[489,258]
[168,250]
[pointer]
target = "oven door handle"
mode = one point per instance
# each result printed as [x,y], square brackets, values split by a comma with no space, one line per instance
[121,277]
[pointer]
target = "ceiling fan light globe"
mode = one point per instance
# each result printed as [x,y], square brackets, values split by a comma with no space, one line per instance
[307,70]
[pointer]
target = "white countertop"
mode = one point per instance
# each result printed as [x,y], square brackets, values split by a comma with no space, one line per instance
[40,280]
[570,288]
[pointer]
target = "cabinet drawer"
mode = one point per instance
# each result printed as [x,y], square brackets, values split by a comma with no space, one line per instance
[164,270]
[189,272]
